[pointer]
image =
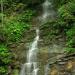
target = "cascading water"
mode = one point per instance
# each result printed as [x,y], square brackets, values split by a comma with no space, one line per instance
[31,67]
[33,48]
[48,11]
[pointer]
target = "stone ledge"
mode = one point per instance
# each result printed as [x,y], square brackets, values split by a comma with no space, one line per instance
[63,66]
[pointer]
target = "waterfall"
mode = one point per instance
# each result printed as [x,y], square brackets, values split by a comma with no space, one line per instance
[48,11]
[33,48]
[31,67]
[46,6]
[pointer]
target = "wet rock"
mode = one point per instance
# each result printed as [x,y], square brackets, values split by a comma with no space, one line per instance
[61,63]
[63,66]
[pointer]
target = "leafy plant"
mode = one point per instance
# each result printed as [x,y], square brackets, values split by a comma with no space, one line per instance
[5,59]
[15,27]
[14,30]
[4,54]
[3,70]
[26,16]
[71,39]
[67,11]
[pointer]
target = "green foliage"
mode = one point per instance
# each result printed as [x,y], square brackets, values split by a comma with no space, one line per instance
[67,14]
[15,26]
[26,16]
[67,11]
[17,16]
[15,29]
[70,50]
[5,59]
[71,32]
[1,14]
[59,3]
[17,19]
[3,70]
[4,54]
[71,39]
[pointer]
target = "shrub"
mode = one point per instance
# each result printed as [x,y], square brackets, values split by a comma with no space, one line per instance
[5,59]
[15,29]
[71,39]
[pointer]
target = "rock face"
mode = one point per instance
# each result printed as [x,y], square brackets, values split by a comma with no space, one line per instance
[20,49]
[63,66]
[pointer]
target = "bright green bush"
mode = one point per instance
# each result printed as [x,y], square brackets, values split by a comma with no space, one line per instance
[3,70]
[71,39]
[15,29]
[5,59]
[67,11]
[4,54]
[26,16]
[67,14]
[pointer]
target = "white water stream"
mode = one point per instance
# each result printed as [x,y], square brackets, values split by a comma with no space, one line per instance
[48,11]
[31,67]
